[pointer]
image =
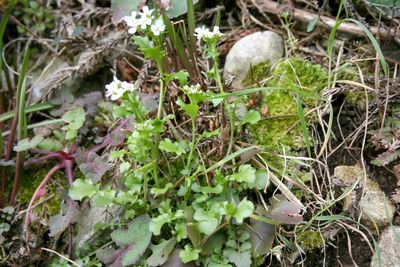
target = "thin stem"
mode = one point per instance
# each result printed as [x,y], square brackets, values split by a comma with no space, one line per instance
[162,92]
[37,193]
[68,170]
[193,143]
[232,130]
[225,102]
[18,172]
[156,153]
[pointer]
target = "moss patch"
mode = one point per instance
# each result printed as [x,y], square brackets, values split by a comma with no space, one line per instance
[310,240]
[257,73]
[281,123]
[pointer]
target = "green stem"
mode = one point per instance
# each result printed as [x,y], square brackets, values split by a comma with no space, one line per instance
[193,143]
[216,72]
[156,153]
[225,102]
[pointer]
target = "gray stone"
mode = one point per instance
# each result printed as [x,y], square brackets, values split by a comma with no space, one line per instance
[389,245]
[373,205]
[256,48]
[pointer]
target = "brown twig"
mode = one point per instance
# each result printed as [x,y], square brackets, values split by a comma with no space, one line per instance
[324,21]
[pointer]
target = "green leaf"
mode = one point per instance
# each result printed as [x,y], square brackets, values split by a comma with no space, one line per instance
[242,259]
[103,198]
[311,25]
[82,188]
[262,180]
[158,222]
[193,232]
[117,154]
[168,146]
[26,144]
[189,254]
[208,227]
[212,190]
[207,224]
[181,231]
[252,117]
[50,144]
[161,191]
[148,49]
[244,210]
[74,119]
[182,76]
[245,174]
[190,109]
[161,252]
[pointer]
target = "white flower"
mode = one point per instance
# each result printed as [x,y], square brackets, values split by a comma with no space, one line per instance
[130,87]
[157,27]
[201,32]
[216,32]
[114,89]
[146,17]
[132,22]
[146,11]
[146,125]
[192,89]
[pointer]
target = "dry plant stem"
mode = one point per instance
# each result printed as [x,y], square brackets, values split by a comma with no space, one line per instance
[324,21]
[61,256]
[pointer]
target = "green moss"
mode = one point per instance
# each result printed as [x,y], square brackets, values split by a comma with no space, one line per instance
[31,179]
[310,240]
[281,124]
[257,73]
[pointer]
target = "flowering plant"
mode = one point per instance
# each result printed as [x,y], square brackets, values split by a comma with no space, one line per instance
[166,186]
[144,21]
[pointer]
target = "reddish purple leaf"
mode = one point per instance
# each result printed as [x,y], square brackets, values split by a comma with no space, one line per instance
[69,214]
[92,165]
[132,243]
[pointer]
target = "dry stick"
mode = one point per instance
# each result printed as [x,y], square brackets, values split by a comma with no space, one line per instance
[61,256]
[324,21]
[278,183]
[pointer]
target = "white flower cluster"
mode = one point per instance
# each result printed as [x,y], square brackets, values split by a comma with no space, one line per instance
[142,20]
[143,126]
[192,89]
[117,88]
[203,33]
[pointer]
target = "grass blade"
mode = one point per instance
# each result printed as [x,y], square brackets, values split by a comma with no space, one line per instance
[303,124]
[30,109]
